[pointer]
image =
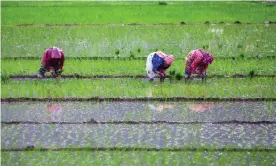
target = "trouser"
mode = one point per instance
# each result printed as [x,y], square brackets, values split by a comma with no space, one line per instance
[150,73]
[189,62]
[188,68]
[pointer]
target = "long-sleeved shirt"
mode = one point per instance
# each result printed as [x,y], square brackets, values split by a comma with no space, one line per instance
[158,63]
[49,62]
[195,62]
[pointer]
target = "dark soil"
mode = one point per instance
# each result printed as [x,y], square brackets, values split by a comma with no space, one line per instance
[186,149]
[142,122]
[138,24]
[98,99]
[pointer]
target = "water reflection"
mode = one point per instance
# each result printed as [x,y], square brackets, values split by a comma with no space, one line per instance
[55,110]
[201,107]
[135,111]
[161,107]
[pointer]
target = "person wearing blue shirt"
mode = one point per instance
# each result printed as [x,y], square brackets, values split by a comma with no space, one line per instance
[157,63]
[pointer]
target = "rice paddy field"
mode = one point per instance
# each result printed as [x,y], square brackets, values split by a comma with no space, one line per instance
[103,110]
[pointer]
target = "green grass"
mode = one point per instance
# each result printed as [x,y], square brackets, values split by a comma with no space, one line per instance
[137,158]
[134,12]
[216,88]
[225,67]
[122,41]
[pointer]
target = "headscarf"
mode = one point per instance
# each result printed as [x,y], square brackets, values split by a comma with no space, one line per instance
[207,58]
[56,53]
[169,59]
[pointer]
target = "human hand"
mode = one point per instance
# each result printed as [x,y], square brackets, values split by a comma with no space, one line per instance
[59,71]
[52,71]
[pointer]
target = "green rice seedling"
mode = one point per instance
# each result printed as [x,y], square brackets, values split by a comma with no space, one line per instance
[178,76]
[242,56]
[136,67]
[4,77]
[172,72]
[205,46]
[162,3]
[117,52]
[128,12]
[237,22]
[240,46]
[131,55]
[99,40]
[138,50]
[251,73]
[251,87]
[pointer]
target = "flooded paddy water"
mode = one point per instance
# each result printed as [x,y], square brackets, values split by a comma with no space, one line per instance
[138,124]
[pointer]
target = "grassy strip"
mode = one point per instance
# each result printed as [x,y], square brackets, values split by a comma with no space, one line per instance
[135,41]
[213,88]
[134,12]
[225,67]
[137,158]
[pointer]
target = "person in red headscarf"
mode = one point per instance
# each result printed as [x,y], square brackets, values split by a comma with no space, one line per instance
[197,62]
[52,61]
[158,62]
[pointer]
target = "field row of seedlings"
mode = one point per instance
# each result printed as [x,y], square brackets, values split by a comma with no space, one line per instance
[134,88]
[133,41]
[106,111]
[227,67]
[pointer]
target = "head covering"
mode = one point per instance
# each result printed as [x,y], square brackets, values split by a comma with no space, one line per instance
[208,58]
[169,59]
[56,53]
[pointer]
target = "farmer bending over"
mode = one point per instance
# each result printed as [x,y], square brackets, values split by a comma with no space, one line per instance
[197,62]
[158,62]
[52,61]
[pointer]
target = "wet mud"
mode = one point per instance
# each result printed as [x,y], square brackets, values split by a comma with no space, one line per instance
[117,99]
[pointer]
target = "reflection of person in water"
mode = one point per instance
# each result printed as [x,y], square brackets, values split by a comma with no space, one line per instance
[201,107]
[161,107]
[56,110]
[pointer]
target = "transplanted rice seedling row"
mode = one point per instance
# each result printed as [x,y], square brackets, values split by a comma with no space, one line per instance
[222,40]
[213,88]
[137,158]
[225,67]
[134,12]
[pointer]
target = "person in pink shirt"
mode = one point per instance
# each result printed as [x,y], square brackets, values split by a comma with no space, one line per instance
[52,61]
[197,62]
